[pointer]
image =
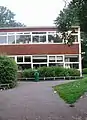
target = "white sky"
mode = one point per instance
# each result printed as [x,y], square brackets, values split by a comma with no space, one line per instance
[34,12]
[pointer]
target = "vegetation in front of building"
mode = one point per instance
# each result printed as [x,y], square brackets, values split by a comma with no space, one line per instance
[72,91]
[50,72]
[8,71]
[84,71]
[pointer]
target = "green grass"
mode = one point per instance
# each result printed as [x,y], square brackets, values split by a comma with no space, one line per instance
[72,91]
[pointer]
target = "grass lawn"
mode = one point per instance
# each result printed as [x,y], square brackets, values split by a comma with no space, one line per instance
[72,91]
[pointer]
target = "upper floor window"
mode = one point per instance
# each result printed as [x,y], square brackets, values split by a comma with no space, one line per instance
[39,38]
[54,38]
[23,39]
[11,39]
[3,33]
[3,39]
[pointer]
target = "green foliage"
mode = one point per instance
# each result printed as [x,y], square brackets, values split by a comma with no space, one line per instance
[73,15]
[51,72]
[8,71]
[84,71]
[28,73]
[46,71]
[72,91]
[7,18]
[67,17]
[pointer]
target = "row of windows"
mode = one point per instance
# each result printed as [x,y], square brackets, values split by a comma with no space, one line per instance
[39,59]
[21,38]
[27,66]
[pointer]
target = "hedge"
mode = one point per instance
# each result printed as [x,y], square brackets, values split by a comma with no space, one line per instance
[8,71]
[84,71]
[50,72]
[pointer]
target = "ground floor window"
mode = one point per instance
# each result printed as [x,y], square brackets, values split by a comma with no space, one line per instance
[35,61]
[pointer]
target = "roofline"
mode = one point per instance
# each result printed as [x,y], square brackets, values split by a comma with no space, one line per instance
[28,27]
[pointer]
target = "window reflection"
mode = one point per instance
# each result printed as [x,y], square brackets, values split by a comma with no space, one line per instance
[3,39]
[11,39]
[23,39]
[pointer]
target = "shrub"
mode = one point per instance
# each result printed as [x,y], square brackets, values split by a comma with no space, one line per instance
[8,71]
[84,71]
[51,72]
[46,71]
[28,73]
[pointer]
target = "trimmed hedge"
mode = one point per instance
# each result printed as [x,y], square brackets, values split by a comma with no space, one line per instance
[50,72]
[84,71]
[8,71]
[28,73]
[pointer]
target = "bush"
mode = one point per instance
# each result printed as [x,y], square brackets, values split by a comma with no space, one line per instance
[28,73]
[8,71]
[51,72]
[46,71]
[84,71]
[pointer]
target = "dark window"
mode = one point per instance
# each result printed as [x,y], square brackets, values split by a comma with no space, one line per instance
[27,59]
[19,59]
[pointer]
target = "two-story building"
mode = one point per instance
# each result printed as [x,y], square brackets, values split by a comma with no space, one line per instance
[40,46]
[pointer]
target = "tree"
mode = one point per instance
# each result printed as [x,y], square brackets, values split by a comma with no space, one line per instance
[75,14]
[7,18]
[67,17]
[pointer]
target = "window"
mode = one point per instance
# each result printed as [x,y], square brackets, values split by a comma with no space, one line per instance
[36,39]
[27,59]
[39,38]
[59,64]
[39,65]
[42,38]
[74,65]
[23,39]
[3,33]
[51,58]
[72,58]
[38,59]
[52,64]
[54,38]
[11,39]
[3,39]
[59,58]
[11,33]
[24,66]
[20,59]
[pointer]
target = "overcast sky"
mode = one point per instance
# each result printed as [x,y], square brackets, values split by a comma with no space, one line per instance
[35,12]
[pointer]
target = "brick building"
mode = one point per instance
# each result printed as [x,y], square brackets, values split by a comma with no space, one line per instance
[40,46]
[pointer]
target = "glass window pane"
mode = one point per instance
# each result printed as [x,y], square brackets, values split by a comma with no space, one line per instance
[11,33]
[43,38]
[54,38]
[3,39]
[3,33]
[52,59]
[23,39]
[20,59]
[27,59]
[59,59]
[35,39]
[38,59]
[11,39]
[72,58]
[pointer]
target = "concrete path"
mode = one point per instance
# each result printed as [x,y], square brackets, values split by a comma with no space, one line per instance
[36,101]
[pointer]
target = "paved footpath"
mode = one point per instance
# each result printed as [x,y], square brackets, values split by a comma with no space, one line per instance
[37,101]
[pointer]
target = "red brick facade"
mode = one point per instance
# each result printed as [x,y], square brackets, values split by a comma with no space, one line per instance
[39,49]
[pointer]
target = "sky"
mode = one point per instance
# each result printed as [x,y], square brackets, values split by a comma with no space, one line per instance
[34,12]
